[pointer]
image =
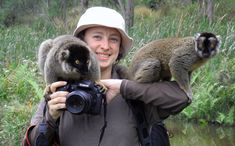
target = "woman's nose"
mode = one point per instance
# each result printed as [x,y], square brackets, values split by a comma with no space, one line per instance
[105,44]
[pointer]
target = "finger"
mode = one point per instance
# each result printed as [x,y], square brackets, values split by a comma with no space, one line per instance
[55,85]
[58,100]
[59,94]
[57,107]
[104,82]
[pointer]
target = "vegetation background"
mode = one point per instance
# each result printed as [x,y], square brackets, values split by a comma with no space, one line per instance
[24,24]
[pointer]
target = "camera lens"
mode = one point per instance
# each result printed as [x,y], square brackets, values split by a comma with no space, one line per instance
[78,102]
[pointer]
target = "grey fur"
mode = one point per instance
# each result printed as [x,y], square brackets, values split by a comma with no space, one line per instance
[54,60]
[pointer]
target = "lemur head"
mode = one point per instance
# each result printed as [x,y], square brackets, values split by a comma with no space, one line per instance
[76,58]
[207,44]
[74,55]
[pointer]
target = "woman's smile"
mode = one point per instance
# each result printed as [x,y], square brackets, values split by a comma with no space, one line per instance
[103,56]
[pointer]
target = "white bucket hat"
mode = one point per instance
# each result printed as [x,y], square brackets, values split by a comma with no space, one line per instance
[102,16]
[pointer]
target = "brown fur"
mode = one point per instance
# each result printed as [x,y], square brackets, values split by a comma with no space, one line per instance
[173,57]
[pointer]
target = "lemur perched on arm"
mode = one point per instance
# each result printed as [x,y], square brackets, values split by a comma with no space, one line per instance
[174,57]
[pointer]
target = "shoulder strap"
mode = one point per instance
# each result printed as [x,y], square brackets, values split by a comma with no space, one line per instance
[159,135]
[142,124]
[149,135]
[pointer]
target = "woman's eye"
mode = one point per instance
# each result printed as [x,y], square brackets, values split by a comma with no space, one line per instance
[97,37]
[115,40]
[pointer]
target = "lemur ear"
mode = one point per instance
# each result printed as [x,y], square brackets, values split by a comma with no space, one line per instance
[65,54]
[42,52]
[220,41]
[219,38]
[197,35]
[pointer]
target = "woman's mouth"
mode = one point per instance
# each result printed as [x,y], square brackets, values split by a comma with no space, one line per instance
[103,56]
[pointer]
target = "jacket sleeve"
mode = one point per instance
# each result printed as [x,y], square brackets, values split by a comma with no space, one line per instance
[33,132]
[165,97]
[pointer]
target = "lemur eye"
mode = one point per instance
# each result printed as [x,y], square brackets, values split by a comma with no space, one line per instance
[199,45]
[212,45]
[213,42]
[77,61]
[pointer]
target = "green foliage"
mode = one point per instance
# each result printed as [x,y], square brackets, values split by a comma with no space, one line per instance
[20,90]
[214,86]
[13,11]
[21,83]
[16,12]
[14,123]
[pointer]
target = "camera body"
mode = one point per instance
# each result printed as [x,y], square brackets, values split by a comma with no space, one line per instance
[84,97]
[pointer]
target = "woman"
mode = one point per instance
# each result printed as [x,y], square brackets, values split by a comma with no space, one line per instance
[103,29]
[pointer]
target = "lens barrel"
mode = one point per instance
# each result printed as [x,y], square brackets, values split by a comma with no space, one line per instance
[78,102]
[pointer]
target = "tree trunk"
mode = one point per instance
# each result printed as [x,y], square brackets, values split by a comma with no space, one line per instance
[84,6]
[206,9]
[201,4]
[210,10]
[129,14]
[122,7]
[64,8]
[48,3]
[186,2]
[127,10]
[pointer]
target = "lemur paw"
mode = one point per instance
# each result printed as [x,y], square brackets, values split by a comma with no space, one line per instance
[101,87]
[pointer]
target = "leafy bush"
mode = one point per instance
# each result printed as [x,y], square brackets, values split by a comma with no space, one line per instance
[214,86]
[20,90]
[21,82]
[14,123]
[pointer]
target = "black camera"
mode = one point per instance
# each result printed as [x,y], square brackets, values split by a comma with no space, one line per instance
[84,97]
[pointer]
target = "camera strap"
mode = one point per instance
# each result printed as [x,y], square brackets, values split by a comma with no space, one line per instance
[41,138]
[102,130]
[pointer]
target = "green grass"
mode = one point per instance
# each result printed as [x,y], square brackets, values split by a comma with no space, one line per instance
[20,90]
[21,42]
[14,122]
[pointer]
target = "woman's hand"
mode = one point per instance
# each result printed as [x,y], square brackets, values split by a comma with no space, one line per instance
[113,86]
[57,99]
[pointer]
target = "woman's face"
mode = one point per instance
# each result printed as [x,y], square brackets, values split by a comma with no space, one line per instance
[105,42]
